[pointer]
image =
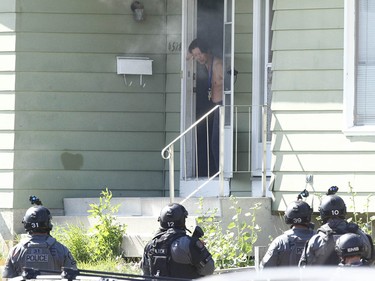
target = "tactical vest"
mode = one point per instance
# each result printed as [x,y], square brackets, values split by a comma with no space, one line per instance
[159,253]
[296,246]
[330,237]
[38,255]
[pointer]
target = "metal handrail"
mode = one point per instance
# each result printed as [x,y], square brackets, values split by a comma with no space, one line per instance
[165,157]
[168,151]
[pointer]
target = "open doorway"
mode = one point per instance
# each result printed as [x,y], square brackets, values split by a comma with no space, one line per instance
[210,21]
[210,17]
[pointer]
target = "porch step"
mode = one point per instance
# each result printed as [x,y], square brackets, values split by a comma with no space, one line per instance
[139,206]
[140,215]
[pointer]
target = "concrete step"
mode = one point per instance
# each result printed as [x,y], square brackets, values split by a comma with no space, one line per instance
[140,215]
[134,225]
[139,206]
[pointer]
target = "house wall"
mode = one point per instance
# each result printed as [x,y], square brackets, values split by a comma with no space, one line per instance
[79,127]
[307,107]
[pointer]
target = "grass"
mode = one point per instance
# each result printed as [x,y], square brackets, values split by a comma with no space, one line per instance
[118,265]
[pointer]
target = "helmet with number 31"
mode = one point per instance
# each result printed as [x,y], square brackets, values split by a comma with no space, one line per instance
[37,219]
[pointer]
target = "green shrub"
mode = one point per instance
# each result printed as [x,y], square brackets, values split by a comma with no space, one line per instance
[106,234]
[76,239]
[230,247]
[102,242]
[362,218]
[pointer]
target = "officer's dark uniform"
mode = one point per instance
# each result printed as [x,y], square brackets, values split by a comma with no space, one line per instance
[189,258]
[40,252]
[38,249]
[320,249]
[286,249]
[278,253]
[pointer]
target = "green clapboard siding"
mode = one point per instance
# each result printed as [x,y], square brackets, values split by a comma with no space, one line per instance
[317,100]
[80,125]
[154,7]
[307,107]
[91,102]
[89,160]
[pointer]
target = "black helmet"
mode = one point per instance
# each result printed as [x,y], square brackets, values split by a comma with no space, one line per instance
[332,206]
[173,215]
[37,219]
[349,244]
[298,212]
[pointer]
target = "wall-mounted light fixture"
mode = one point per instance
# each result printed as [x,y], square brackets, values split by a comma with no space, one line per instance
[138,10]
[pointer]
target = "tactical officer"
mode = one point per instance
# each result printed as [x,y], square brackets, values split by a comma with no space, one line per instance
[349,248]
[287,248]
[320,250]
[38,250]
[172,252]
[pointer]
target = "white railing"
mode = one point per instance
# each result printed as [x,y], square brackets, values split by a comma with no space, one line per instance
[241,132]
[168,153]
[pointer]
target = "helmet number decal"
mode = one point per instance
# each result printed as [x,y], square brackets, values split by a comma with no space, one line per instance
[170,223]
[34,225]
[335,212]
[297,220]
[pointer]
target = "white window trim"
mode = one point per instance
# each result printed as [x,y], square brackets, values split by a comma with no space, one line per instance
[349,128]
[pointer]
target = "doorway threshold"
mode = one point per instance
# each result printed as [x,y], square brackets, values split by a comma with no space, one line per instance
[210,189]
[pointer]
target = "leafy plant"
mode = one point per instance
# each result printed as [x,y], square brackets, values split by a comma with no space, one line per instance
[106,235]
[99,243]
[76,238]
[363,219]
[230,247]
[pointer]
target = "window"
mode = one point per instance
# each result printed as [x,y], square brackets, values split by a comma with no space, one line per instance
[359,67]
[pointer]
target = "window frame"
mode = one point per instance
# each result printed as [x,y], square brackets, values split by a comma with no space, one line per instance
[350,22]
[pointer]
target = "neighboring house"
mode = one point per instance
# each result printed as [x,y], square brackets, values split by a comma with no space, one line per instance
[71,125]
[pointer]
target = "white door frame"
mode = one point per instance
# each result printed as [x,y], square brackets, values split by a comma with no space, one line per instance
[188,95]
[189,15]
[261,70]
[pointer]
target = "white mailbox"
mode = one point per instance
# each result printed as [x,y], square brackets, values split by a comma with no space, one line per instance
[134,65]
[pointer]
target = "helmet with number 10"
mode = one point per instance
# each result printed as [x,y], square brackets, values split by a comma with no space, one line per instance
[332,206]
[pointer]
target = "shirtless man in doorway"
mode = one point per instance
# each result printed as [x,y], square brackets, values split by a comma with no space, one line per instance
[214,65]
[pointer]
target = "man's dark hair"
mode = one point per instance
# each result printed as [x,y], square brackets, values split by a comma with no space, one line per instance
[199,43]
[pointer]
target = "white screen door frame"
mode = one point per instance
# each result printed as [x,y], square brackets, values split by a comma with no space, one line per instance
[188,96]
[262,78]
